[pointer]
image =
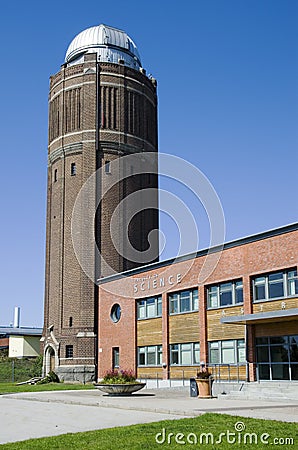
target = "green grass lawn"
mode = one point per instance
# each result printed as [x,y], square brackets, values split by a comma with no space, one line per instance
[7,388]
[144,436]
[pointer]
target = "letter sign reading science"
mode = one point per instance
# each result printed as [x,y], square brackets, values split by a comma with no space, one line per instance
[155,282]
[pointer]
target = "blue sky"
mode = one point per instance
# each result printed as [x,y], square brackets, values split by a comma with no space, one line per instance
[227,74]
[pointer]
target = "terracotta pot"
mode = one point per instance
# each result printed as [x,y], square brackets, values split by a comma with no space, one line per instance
[204,387]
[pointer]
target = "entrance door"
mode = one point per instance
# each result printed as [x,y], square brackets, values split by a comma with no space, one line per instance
[49,360]
[52,362]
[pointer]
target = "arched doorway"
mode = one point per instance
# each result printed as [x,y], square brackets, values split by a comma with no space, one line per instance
[50,360]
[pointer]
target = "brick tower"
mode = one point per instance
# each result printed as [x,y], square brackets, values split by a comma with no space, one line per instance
[102,107]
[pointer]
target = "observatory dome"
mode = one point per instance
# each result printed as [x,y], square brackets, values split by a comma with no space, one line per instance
[110,44]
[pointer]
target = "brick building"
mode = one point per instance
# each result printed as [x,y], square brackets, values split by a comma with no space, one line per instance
[242,319]
[102,108]
[233,307]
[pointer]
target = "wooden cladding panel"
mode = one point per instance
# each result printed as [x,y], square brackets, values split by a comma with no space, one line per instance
[184,328]
[149,332]
[218,331]
[149,372]
[183,372]
[277,328]
[275,305]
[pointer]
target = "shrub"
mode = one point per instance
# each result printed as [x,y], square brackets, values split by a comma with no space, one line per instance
[51,377]
[36,370]
[116,376]
[204,374]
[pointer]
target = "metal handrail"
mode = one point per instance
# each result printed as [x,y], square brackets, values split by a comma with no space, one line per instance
[220,373]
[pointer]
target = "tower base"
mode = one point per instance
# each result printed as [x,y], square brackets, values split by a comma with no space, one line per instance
[76,373]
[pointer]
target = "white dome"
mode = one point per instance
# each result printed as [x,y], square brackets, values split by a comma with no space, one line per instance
[110,44]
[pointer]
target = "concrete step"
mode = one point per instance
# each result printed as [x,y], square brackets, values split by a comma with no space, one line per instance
[261,391]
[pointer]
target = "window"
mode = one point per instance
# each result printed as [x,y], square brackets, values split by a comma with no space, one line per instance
[70,322]
[115,313]
[184,301]
[55,175]
[277,357]
[185,354]
[69,351]
[225,294]
[230,351]
[292,287]
[150,356]
[107,167]
[115,357]
[73,169]
[149,307]
[275,285]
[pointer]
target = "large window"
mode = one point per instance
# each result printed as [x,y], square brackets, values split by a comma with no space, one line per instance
[230,351]
[183,301]
[225,294]
[149,307]
[275,285]
[185,354]
[150,356]
[277,357]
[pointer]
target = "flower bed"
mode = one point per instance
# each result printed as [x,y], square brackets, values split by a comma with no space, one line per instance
[119,382]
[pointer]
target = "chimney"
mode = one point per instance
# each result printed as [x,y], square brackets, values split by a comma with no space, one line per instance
[16,317]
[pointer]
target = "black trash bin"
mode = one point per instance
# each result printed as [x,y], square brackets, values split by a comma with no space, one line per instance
[193,387]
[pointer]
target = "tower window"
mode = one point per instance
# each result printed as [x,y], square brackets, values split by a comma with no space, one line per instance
[69,351]
[73,169]
[107,167]
[55,175]
[70,321]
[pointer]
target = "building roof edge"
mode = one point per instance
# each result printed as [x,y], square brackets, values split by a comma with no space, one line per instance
[234,243]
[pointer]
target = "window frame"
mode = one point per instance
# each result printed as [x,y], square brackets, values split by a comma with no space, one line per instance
[178,350]
[288,276]
[107,166]
[175,297]
[73,169]
[68,351]
[147,350]
[220,346]
[217,291]
[157,307]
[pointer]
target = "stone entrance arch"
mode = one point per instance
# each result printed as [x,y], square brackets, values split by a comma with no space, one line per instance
[49,359]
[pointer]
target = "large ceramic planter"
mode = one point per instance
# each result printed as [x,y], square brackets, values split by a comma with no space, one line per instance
[205,387]
[119,389]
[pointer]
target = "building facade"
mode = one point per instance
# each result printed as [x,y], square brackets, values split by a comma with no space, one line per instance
[21,342]
[102,108]
[163,320]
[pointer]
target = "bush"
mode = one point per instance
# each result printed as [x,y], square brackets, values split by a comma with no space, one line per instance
[18,370]
[119,377]
[51,377]
[36,370]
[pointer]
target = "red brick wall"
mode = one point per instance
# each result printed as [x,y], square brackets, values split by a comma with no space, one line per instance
[242,261]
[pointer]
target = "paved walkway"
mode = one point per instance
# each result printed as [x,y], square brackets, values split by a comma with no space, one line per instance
[31,415]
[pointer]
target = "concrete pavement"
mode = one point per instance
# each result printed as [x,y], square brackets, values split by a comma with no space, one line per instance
[31,415]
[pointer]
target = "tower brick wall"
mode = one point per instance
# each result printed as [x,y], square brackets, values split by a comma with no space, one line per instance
[98,113]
